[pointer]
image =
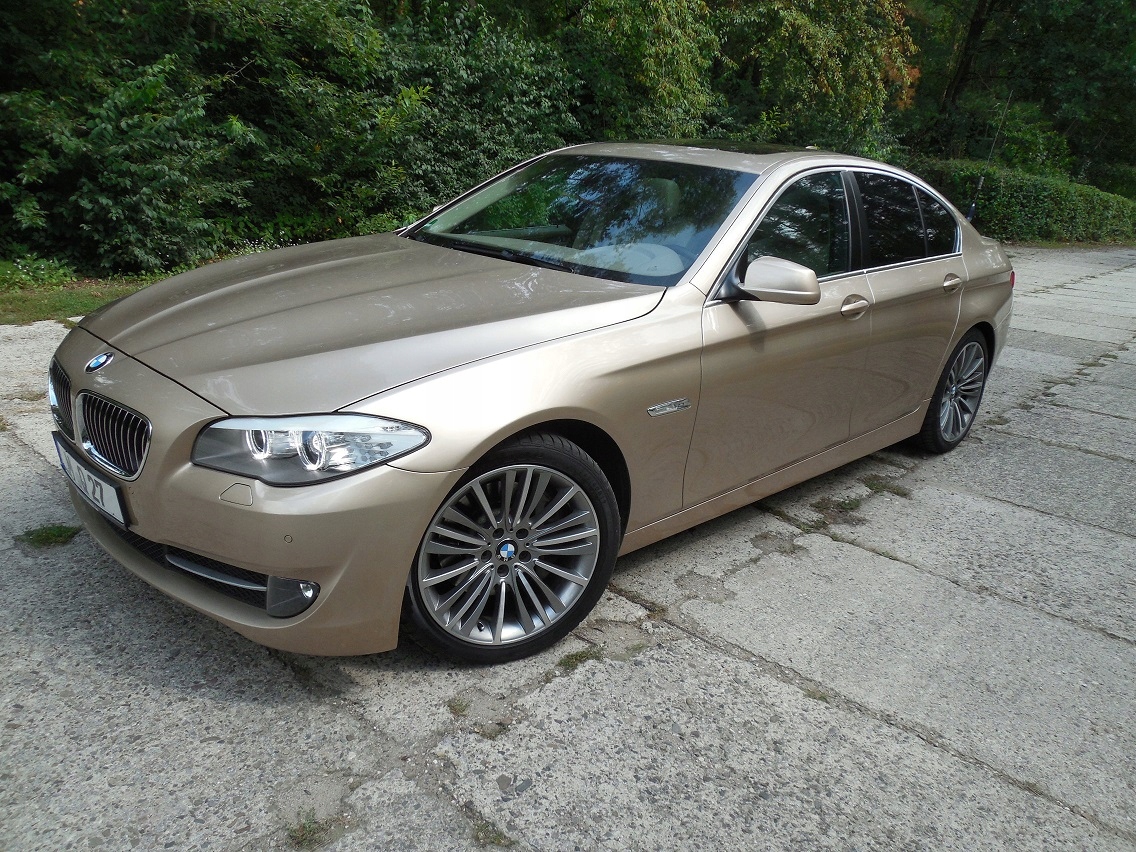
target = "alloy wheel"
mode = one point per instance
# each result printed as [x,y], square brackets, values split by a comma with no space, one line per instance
[508,555]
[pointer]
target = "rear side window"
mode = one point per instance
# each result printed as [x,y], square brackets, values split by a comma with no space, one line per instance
[895,226]
[942,229]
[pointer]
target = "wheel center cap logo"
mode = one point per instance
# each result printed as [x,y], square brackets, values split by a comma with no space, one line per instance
[507,550]
[99,361]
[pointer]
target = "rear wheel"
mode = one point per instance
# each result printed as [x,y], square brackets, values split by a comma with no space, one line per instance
[955,403]
[518,554]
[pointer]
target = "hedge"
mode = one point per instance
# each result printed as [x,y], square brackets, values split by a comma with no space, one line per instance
[1018,205]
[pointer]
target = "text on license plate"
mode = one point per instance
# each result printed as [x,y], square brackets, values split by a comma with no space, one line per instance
[99,492]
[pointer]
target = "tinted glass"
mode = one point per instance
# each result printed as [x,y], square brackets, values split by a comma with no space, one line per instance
[808,224]
[895,228]
[633,220]
[942,229]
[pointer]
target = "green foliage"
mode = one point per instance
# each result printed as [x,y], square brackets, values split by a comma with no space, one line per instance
[309,80]
[1067,68]
[147,134]
[495,97]
[121,182]
[822,72]
[1018,205]
[143,135]
[1029,142]
[33,273]
[645,66]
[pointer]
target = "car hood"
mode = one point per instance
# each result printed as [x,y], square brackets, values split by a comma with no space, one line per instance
[318,327]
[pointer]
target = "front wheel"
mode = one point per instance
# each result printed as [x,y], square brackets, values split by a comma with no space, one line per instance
[518,554]
[955,403]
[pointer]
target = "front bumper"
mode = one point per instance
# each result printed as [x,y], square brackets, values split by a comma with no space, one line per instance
[355,537]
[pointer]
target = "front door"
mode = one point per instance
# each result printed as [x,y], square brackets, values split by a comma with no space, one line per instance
[779,381]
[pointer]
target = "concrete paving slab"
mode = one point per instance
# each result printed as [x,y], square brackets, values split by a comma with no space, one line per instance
[1108,314]
[1103,434]
[977,693]
[917,648]
[1080,351]
[686,747]
[26,351]
[695,563]
[1059,481]
[1080,329]
[1119,373]
[1076,572]
[130,723]
[31,494]
[412,696]
[1010,388]
[418,822]
[1041,363]
[1103,307]
[1097,396]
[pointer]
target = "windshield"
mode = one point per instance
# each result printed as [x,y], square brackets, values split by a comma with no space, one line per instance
[643,221]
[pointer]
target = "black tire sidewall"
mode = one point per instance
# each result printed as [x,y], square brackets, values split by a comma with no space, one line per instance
[562,455]
[931,436]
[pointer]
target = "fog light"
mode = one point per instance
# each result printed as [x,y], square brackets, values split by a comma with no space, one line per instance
[289,597]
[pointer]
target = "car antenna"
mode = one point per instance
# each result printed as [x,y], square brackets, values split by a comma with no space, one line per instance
[982,177]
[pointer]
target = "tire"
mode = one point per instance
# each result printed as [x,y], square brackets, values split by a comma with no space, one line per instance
[957,395]
[518,553]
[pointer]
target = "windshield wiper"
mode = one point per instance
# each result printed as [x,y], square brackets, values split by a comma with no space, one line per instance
[498,252]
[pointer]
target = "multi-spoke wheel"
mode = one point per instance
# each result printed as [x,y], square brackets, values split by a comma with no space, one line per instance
[518,553]
[956,399]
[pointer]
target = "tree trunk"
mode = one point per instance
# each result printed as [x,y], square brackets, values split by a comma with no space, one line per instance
[964,61]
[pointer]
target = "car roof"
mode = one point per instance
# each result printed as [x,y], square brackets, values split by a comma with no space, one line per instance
[718,153]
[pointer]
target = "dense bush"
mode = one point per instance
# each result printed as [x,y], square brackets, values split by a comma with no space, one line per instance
[143,134]
[147,134]
[123,181]
[1018,205]
[495,98]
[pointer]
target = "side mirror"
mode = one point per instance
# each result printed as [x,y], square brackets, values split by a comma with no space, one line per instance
[771,279]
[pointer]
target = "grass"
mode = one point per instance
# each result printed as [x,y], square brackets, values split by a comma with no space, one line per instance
[79,298]
[878,483]
[492,730]
[458,706]
[486,833]
[33,289]
[816,693]
[51,535]
[571,662]
[308,832]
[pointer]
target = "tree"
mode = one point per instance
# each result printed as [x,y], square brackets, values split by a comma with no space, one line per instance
[821,73]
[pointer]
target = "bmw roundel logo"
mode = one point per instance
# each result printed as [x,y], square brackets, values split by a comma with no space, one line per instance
[99,361]
[507,550]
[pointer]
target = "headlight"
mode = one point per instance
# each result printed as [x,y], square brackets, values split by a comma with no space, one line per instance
[301,450]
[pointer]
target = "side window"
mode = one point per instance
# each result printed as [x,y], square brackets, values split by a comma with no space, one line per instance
[807,224]
[895,227]
[942,229]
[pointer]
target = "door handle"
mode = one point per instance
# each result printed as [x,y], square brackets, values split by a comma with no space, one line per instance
[951,283]
[854,306]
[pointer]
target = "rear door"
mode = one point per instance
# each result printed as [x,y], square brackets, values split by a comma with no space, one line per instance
[916,275]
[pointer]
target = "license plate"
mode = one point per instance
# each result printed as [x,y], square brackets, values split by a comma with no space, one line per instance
[101,493]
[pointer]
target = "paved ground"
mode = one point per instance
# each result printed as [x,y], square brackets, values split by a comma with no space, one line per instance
[911,652]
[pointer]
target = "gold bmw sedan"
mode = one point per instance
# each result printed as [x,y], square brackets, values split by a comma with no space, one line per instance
[594,350]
